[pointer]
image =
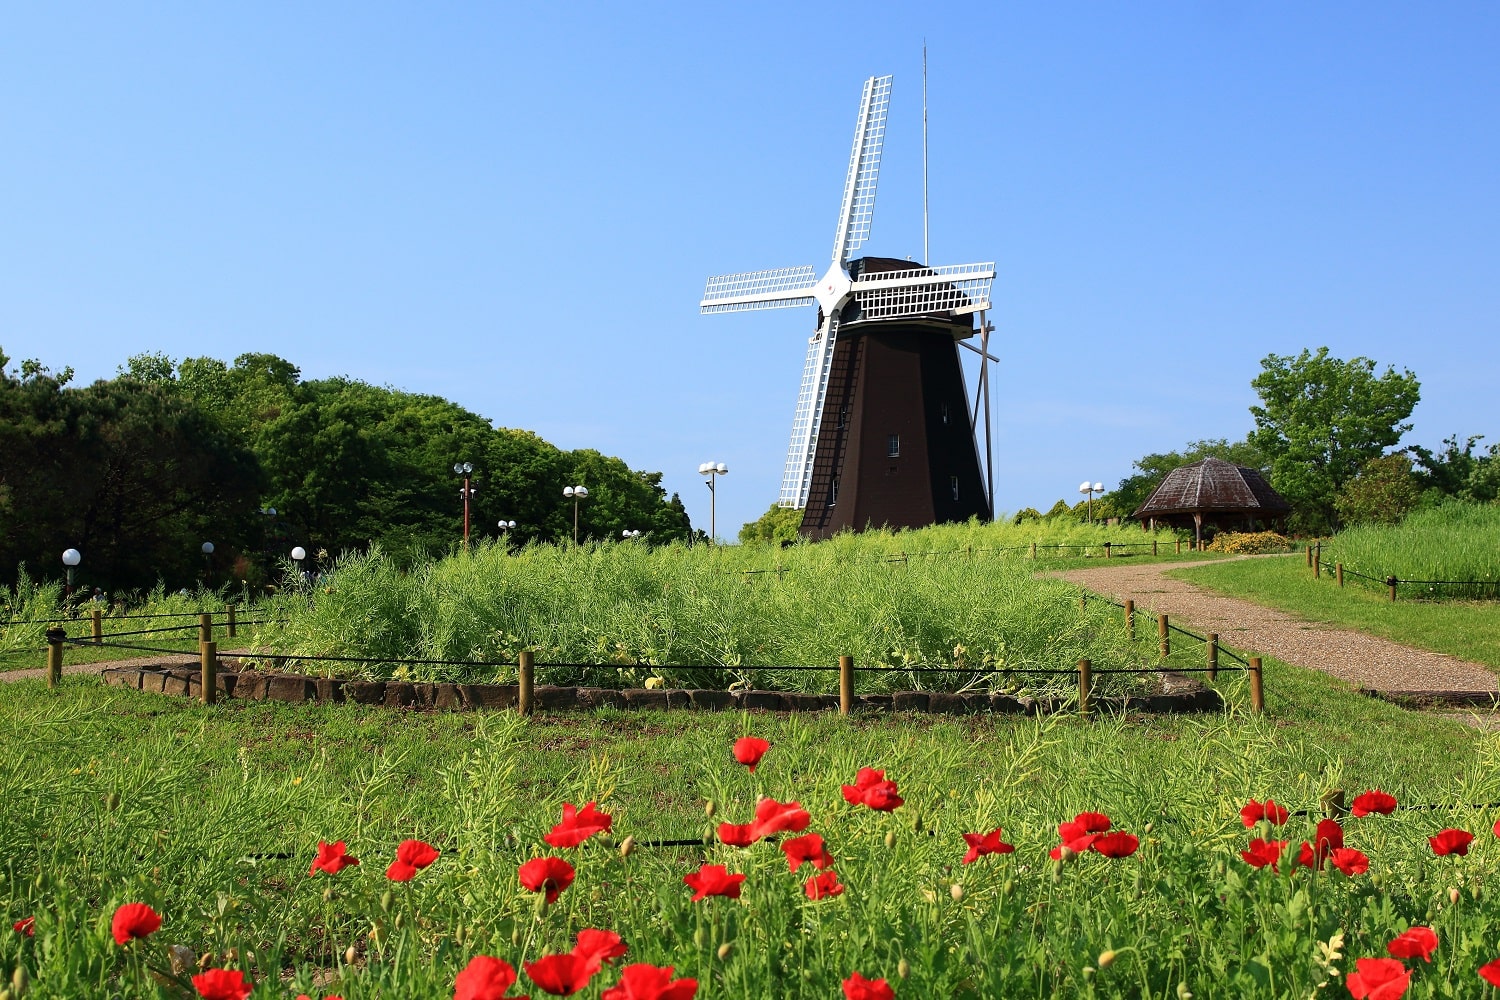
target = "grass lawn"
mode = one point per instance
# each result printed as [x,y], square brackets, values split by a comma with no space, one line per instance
[1466,629]
[213,816]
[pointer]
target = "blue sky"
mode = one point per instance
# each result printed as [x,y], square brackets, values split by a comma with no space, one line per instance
[516,208]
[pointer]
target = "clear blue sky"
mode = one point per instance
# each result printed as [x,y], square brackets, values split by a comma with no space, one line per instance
[517,208]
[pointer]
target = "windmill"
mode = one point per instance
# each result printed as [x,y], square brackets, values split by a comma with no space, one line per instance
[884,361]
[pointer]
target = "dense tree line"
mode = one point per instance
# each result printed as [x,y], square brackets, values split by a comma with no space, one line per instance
[138,471]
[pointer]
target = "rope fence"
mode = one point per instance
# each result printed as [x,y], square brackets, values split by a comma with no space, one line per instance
[1484,589]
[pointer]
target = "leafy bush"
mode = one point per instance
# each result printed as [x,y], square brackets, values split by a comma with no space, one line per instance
[1249,542]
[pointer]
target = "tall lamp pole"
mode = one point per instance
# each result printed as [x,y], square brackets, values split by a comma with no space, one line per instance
[713,470]
[70,558]
[467,491]
[1090,489]
[208,564]
[575,493]
[299,554]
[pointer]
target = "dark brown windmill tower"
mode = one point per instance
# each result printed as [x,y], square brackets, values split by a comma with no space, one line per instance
[884,433]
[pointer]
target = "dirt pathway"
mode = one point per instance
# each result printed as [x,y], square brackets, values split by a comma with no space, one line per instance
[154,660]
[1363,660]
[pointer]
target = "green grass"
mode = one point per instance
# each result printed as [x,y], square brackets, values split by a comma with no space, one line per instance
[116,796]
[960,597]
[1469,630]
[1456,542]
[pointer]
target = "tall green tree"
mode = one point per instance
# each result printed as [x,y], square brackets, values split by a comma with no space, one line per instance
[1320,420]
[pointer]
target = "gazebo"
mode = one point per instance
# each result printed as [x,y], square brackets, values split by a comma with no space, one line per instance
[1217,493]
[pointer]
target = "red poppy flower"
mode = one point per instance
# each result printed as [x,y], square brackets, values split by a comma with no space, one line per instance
[1451,841]
[578,825]
[1329,837]
[713,880]
[332,858]
[1349,861]
[857,987]
[981,844]
[551,875]
[26,926]
[222,984]
[738,835]
[826,884]
[1378,979]
[1373,801]
[411,857]
[562,975]
[595,947]
[1497,827]
[780,817]
[1253,812]
[809,848]
[748,750]
[1118,844]
[1079,833]
[1490,972]
[1264,852]
[1412,942]
[484,978]
[647,982]
[134,920]
[871,789]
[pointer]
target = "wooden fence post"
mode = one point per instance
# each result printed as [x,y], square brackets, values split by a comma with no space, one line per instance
[1108,547]
[1033,550]
[230,626]
[205,628]
[1085,687]
[1257,688]
[55,637]
[1213,656]
[1153,546]
[846,684]
[98,617]
[1309,555]
[1164,637]
[1083,602]
[1390,581]
[525,678]
[1130,620]
[1338,571]
[1318,561]
[208,659]
[1179,546]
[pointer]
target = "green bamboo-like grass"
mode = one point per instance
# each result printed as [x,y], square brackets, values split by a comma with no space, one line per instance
[960,597]
[1458,542]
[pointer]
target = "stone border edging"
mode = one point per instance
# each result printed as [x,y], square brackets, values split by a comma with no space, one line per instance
[254,685]
[1435,699]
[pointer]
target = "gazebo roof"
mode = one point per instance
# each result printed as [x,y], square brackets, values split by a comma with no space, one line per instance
[1214,486]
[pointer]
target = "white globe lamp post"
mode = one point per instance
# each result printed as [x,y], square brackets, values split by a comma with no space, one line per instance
[575,493]
[71,558]
[713,470]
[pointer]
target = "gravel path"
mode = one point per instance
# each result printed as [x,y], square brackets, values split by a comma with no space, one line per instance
[1363,660]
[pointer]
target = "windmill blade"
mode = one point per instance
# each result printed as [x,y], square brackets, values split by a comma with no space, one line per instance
[858,205]
[953,288]
[774,289]
[797,477]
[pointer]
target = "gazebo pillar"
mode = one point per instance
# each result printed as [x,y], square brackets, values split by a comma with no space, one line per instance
[1197,529]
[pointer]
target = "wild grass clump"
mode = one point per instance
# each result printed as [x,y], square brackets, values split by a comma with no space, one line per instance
[953,597]
[1456,541]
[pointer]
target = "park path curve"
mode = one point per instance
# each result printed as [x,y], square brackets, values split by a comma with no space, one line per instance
[156,660]
[1364,660]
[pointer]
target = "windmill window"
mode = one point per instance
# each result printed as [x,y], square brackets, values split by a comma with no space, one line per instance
[893,446]
[953,482]
[833,494]
[945,413]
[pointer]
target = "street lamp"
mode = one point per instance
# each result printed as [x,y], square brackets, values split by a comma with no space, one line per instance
[575,493]
[299,554]
[71,558]
[507,525]
[713,470]
[627,533]
[1090,489]
[208,565]
[467,491]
